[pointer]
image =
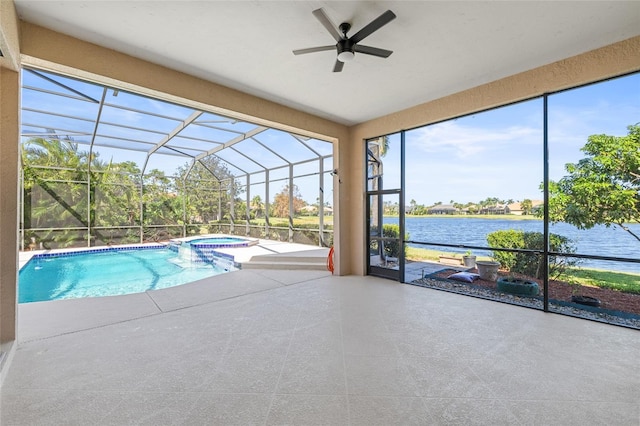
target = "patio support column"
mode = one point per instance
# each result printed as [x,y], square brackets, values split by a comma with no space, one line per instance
[291,210]
[141,209]
[248,206]
[89,203]
[219,202]
[321,203]
[266,204]
[232,206]
[184,208]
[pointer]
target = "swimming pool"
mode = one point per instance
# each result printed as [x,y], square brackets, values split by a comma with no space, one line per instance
[107,272]
[221,242]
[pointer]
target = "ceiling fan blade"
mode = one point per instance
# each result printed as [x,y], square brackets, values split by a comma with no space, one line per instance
[368,50]
[326,22]
[338,66]
[373,26]
[313,49]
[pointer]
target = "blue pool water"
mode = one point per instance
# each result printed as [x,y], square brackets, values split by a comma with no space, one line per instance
[220,241]
[105,273]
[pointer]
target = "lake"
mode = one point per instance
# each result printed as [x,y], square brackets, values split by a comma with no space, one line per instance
[600,240]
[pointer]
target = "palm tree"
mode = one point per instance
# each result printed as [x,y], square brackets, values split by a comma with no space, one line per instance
[257,206]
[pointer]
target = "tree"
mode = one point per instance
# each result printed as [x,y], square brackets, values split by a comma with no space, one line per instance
[527,206]
[413,204]
[257,206]
[602,188]
[208,189]
[280,206]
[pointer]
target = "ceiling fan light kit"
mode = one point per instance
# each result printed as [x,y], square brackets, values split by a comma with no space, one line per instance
[347,47]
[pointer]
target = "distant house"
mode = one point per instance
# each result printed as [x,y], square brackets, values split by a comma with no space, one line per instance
[516,208]
[443,209]
[311,210]
[495,209]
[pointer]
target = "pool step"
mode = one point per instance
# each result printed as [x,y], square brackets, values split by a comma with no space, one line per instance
[304,260]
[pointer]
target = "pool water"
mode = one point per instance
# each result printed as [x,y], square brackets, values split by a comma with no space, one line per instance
[105,273]
[220,241]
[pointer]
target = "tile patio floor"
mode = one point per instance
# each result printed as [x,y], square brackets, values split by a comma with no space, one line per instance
[270,347]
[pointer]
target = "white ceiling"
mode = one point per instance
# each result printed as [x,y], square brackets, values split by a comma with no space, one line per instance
[440,47]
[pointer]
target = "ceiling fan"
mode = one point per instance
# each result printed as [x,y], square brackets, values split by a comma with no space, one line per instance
[348,46]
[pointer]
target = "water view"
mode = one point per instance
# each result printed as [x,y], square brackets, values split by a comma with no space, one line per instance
[600,240]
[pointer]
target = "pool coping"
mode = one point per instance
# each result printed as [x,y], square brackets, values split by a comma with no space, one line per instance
[25,256]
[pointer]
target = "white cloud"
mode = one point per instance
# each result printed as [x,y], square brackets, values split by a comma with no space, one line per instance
[463,141]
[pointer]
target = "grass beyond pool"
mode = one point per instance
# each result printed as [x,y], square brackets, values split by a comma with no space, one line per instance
[107,272]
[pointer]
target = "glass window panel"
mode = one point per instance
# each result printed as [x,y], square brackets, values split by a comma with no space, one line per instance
[591,167]
[384,247]
[383,163]
[470,177]
[598,290]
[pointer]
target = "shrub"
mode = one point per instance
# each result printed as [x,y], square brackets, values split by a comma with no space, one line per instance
[531,264]
[391,248]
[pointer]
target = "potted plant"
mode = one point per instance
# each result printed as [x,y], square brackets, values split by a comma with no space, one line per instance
[469,260]
[488,269]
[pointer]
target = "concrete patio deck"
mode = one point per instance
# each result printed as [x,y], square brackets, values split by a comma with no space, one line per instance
[305,347]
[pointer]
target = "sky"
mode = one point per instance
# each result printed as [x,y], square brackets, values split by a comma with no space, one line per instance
[497,153]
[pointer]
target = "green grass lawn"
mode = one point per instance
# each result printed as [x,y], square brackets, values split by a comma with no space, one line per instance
[300,220]
[620,281]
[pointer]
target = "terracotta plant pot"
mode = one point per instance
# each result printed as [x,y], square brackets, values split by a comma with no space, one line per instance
[487,269]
